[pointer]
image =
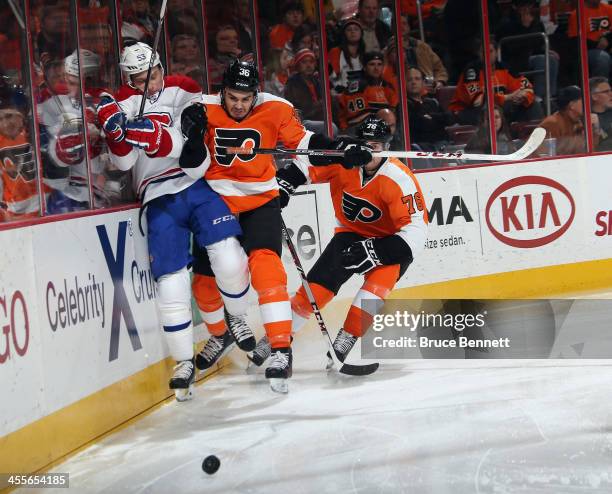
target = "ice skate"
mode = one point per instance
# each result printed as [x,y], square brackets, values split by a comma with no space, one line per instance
[280,369]
[215,348]
[342,345]
[261,353]
[239,329]
[182,380]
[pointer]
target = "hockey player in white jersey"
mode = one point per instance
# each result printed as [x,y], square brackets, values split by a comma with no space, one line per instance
[177,201]
[61,113]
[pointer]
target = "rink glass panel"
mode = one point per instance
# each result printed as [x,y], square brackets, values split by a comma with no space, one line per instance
[20,177]
[52,32]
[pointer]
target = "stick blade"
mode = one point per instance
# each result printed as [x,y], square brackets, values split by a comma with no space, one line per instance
[535,140]
[358,370]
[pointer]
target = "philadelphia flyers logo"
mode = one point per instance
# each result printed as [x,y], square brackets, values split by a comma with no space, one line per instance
[18,161]
[224,138]
[358,209]
[599,24]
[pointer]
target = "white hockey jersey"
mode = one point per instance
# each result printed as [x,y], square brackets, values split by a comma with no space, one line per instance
[62,117]
[158,175]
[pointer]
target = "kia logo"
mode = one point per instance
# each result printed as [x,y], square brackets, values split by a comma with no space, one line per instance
[532,217]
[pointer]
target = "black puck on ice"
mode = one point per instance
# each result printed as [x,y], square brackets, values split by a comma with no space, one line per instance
[211,464]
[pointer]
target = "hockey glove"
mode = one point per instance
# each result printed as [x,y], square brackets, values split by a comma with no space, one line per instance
[145,134]
[355,153]
[70,148]
[360,257]
[194,122]
[289,178]
[111,118]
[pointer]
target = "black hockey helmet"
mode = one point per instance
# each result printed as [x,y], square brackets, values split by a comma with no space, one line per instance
[374,129]
[242,76]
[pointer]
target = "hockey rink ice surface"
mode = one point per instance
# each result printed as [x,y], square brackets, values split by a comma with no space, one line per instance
[437,426]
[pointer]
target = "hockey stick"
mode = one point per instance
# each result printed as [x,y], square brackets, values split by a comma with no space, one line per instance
[350,369]
[534,141]
[162,14]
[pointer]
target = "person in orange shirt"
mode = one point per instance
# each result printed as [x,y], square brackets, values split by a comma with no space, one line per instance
[18,185]
[514,94]
[241,116]
[293,17]
[370,94]
[382,224]
[598,16]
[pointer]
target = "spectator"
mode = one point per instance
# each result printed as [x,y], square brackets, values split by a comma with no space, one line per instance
[389,118]
[293,17]
[428,7]
[514,94]
[53,41]
[138,23]
[186,55]
[481,142]
[346,60]
[18,171]
[567,126]
[528,54]
[224,49]
[601,104]
[278,72]
[376,33]
[244,22]
[427,120]
[182,18]
[598,18]
[420,54]
[370,95]
[305,36]
[303,88]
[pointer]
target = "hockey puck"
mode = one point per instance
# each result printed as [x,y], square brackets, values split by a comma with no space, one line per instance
[211,464]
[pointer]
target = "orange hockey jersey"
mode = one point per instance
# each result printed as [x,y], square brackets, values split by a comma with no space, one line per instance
[247,181]
[471,85]
[18,184]
[390,203]
[367,99]
[598,22]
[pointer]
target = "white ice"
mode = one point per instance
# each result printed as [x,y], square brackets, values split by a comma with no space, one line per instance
[438,426]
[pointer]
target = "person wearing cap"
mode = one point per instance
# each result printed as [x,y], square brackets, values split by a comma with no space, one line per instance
[293,17]
[303,89]
[370,94]
[346,60]
[567,124]
[381,220]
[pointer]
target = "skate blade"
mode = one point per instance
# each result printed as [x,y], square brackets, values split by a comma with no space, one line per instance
[279,385]
[251,368]
[183,394]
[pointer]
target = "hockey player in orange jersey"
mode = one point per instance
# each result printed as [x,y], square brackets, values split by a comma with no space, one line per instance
[382,223]
[241,116]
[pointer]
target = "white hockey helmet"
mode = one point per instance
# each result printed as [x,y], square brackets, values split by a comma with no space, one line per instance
[135,59]
[89,60]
